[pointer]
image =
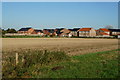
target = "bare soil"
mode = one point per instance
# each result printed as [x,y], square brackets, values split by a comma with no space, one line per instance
[71,46]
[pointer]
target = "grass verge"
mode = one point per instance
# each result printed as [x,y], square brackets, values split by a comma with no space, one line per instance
[39,64]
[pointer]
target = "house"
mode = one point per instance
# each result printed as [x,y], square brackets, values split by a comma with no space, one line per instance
[28,30]
[119,36]
[64,32]
[87,32]
[114,32]
[58,31]
[74,31]
[46,32]
[39,32]
[103,32]
[49,32]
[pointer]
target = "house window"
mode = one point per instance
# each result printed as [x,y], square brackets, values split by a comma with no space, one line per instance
[83,31]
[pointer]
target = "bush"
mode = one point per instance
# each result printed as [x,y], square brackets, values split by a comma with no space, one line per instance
[30,58]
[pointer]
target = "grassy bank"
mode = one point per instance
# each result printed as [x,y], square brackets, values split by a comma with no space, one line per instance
[21,36]
[30,36]
[46,64]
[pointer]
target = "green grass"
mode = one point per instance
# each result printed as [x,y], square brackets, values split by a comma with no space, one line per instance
[31,36]
[56,37]
[59,65]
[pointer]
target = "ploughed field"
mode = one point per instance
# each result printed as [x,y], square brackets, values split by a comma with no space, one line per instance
[51,58]
[71,46]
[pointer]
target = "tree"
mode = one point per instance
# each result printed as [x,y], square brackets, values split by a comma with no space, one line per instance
[0,32]
[3,31]
[109,27]
[11,30]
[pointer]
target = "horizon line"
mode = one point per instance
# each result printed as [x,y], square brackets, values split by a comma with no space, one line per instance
[57,28]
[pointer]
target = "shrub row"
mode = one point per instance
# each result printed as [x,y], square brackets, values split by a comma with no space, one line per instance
[30,58]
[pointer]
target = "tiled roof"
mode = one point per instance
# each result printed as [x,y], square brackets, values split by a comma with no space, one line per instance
[50,30]
[85,29]
[102,33]
[24,29]
[104,29]
[74,29]
[115,30]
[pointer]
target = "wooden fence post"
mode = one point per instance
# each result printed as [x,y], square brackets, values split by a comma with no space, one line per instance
[16,58]
[23,59]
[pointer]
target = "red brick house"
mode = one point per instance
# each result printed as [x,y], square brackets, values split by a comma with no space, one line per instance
[26,30]
[49,32]
[39,32]
[63,32]
[103,32]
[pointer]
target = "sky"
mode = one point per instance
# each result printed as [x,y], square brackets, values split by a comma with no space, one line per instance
[60,0]
[0,14]
[41,15]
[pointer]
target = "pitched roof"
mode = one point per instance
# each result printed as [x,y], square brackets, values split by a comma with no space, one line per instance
[38,31]
[74,29]
[50,30]
[24,29]
[58,30]
[104,29]
[115,30]
[96,30]
[85,29]
[65,30]
[102,33]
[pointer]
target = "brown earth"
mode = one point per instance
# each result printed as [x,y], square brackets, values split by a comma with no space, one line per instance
[71,46]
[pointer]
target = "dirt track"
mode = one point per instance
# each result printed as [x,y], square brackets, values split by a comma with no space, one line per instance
[69,45]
